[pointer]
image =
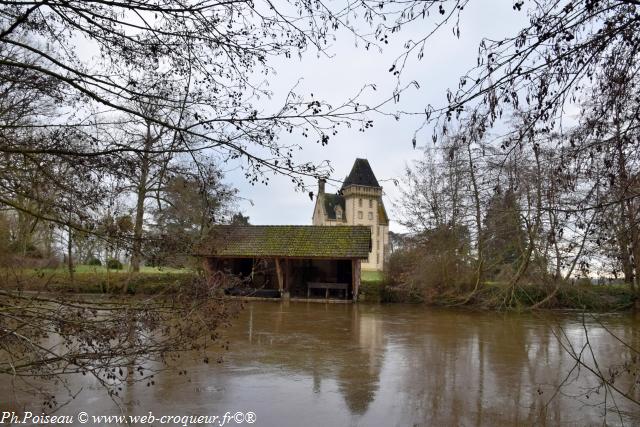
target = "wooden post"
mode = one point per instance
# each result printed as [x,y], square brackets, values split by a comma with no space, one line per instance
[353,279]
[356,278]
[287,273]
[287,280]
[280,278]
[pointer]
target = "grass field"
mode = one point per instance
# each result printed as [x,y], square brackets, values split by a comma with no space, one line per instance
[371,276]
[96,270]
[103,270]
[96,279]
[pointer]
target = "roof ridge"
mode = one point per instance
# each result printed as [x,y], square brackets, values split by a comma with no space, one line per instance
[287,225]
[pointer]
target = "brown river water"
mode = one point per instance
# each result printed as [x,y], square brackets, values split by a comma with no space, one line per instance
[310,364]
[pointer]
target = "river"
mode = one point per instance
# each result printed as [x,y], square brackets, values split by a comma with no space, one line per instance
[310,364]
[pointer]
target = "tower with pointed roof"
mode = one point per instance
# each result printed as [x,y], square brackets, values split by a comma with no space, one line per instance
[359,202]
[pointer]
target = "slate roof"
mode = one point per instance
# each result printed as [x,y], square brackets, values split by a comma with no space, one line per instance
[330,203]
[361,174]
[297,241]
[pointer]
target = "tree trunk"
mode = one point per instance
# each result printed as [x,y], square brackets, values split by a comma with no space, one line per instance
[532,231]
[478,218]
[141,194]
[581,249]
[629,231]
[69,256]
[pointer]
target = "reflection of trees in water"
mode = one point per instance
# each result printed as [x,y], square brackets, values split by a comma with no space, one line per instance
[468,369]
[442,367]
[606,352]
[487,369]
[437,366]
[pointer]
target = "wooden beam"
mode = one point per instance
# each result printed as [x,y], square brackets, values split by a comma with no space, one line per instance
[353,278]
[287,274]
[279,273]
[356,276]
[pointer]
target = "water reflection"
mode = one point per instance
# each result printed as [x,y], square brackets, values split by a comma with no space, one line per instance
[315,364]
[327,343]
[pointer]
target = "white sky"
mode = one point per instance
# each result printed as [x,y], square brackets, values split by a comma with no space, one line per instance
[387,145]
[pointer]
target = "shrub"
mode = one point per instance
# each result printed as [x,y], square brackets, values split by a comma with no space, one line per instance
[50,262]
[29,262]
[504,273]
[437,263]
[583,281]
[114,264]
[33,252]
[370,291]
[95,261]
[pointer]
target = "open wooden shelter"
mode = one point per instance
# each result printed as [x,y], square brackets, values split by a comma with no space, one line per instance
[289,261]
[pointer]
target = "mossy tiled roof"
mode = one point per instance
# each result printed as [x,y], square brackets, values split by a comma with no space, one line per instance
[300,241]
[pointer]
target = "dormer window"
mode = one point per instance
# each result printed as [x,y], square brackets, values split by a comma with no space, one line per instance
[338,210]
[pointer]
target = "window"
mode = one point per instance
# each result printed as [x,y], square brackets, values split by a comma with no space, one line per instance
[370,215]
[338,213]
[377,258]
[359,214]
[377,245]
[360,202]
[370,203]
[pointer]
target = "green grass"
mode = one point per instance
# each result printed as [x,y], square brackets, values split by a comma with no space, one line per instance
[366,276]
[97,269]
[371,276]
[371,286]
[96,279]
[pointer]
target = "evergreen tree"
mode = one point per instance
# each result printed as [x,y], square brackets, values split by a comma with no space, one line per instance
[503,234]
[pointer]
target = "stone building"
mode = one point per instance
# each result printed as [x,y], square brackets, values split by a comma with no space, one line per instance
[359,202]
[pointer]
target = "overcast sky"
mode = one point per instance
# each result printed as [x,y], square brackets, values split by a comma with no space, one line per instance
[387,145]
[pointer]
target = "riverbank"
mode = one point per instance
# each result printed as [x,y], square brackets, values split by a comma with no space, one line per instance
[97,280]
[501,296]
[489,296]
